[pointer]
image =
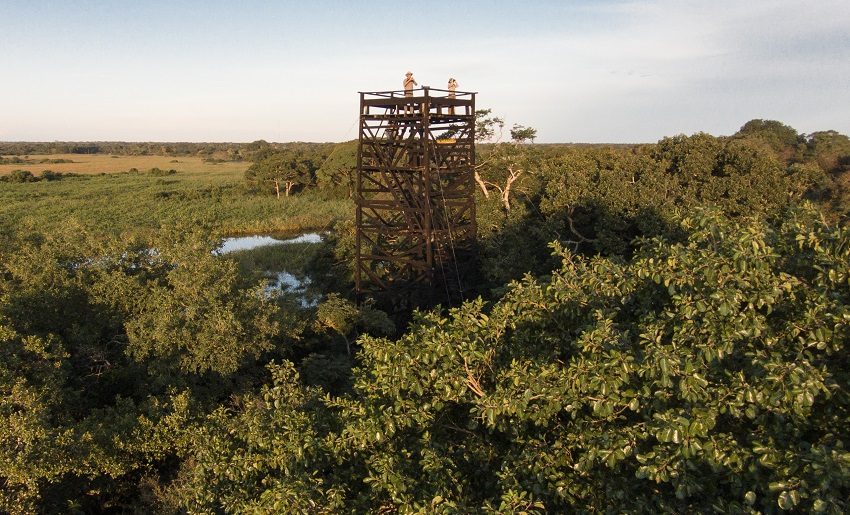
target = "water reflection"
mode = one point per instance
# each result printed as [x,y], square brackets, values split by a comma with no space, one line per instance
[252,242]
[278,265]
[283,283]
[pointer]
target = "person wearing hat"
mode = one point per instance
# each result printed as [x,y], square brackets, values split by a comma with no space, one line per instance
[409,82]
[452,90]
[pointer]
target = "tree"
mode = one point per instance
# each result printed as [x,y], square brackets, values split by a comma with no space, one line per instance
[287,167]
[339,315]
[829,149]
[488,127]
[521,133]
[199,317]
[505,163]
[599,199]
[338,169]
[781,139]
[602,199]
[343,317]
[268,456]
[21,176]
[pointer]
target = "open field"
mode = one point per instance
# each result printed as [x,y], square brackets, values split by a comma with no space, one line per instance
[107,198]
[104,163]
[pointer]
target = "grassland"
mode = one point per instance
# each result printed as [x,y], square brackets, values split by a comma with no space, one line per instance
[108,198]
[105,163]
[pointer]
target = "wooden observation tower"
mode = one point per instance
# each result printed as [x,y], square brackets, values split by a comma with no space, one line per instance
[415,191]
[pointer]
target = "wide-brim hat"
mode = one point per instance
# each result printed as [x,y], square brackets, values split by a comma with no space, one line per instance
[409,73]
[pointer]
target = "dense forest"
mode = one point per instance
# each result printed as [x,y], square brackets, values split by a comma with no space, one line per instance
[652,328]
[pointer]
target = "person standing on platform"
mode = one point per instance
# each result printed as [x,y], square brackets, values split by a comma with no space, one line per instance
[452,89]
[408,83]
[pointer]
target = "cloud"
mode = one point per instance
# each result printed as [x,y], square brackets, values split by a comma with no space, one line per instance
[664,67]
[580,71]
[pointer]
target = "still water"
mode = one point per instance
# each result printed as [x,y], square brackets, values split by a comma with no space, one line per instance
[285,283]
[252,242]
[280,282]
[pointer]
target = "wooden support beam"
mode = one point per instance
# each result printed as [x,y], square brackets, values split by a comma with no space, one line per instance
[414,187]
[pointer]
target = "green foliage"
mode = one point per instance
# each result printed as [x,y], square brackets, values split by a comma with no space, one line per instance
[830,150]
[158,172]
[343,317]
[521,133]
[707,375]
[692,364]
[235,151]
[21,176]
[198,315]
[13,160]
[343,240]
[603,199]
[500,233]
[338,315]
[92,332]
[49,175]
[113,204]
[336,173]
[510,170]
[289,168]
[599,199]
[738,178]
[266,458]
[488,126]
[782,140]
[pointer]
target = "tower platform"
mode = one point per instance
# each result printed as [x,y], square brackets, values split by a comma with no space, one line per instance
[415,190]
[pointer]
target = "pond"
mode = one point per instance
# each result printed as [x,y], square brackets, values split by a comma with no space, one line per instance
[281,261]
[238,243]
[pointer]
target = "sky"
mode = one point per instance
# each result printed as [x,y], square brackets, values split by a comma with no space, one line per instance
[577,71]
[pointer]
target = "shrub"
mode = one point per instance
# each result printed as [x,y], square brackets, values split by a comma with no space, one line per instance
[21,176]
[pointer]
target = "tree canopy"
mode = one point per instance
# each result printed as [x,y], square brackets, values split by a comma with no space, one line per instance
[702,375]
[287,168]
[650,328]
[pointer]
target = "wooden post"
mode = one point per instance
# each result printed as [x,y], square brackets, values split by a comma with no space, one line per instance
[424,141]
[359,213]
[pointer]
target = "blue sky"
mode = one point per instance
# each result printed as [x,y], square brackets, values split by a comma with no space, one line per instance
[605,71]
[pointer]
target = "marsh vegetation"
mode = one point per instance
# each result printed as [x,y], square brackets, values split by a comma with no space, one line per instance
[653,328]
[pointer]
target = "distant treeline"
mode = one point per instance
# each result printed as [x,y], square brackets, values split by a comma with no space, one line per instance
[224,151]
[19,161]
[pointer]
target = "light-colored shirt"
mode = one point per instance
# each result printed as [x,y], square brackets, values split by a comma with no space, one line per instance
[409,82]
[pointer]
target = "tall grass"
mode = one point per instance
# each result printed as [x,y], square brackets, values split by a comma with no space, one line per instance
[215,197]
